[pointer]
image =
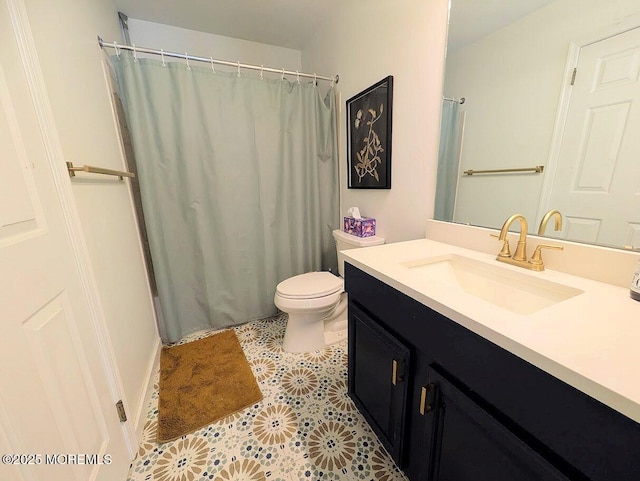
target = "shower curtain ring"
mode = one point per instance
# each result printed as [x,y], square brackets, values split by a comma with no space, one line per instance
[135,54]
[238,65]
[298,77]
[162,57]
[261,72]
[115,45]
[187,59]
[212,67]
[315,79]
[282,75]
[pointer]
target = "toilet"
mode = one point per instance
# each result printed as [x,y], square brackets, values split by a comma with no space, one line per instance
[316,301]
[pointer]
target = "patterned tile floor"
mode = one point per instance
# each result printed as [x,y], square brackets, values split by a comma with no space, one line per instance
[305,428]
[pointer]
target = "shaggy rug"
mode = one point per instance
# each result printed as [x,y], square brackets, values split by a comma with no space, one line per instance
[201,382]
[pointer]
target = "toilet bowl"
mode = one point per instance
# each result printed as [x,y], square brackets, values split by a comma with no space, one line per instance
[316,302]
[308,299]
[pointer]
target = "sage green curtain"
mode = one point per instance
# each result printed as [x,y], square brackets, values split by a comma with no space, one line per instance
[239,185]
[448,162]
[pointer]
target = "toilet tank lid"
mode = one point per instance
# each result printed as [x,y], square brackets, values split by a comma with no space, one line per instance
[358,241]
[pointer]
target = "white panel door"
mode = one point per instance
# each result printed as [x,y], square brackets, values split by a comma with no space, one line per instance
[56,406]
[597,182]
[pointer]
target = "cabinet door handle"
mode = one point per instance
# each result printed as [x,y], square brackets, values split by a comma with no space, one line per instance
[394,372]
[424,407]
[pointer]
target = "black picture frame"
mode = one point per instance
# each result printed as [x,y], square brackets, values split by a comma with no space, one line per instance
[369,116]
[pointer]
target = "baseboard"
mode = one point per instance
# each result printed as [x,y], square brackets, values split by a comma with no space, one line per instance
[150,377]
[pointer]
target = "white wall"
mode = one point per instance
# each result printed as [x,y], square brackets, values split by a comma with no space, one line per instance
[512,80]
[364,42]
[157,35]
[72,63]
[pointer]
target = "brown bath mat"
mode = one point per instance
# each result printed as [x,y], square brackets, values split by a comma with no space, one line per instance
[201,382]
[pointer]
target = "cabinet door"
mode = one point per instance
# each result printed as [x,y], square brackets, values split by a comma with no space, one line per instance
[464,442]
[378,377]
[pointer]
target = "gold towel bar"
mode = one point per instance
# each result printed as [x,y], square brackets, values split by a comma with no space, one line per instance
[96,170]
[537,169]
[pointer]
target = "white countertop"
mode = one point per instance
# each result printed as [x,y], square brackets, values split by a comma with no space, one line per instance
[591,341]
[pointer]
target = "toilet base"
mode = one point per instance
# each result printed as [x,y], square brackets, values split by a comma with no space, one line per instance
[336,335]
[308,332]
[304,333]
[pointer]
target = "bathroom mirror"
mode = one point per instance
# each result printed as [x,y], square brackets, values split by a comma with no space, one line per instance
[513,63]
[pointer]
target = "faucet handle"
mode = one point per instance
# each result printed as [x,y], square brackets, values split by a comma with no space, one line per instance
[505,251]
[536,258]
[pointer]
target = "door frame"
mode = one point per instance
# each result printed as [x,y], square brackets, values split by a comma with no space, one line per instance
[57,166]
[562,111]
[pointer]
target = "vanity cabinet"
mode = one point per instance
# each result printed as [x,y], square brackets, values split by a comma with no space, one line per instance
[488,414]
[378,378]
[456,428]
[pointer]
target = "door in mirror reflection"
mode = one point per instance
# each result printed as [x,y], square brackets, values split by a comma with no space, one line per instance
[596,184]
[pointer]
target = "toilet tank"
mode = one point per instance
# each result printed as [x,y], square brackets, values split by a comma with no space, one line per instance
[346,241]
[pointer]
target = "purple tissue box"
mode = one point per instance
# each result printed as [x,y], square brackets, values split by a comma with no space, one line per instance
[365,227]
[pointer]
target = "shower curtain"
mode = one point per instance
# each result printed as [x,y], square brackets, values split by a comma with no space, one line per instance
[448,161]
[239,185]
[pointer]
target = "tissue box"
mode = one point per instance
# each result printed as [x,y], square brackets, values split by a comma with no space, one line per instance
[365,227]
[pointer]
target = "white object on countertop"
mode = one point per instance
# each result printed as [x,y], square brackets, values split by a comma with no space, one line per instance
[635,283]
[354,212]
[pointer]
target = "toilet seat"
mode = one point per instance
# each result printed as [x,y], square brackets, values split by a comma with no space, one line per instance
[312,285]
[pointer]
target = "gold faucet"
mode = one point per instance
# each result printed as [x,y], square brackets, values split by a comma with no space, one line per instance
[545,220]
[520,257]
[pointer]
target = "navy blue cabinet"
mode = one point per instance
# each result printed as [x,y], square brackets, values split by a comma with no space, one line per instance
[378,379]
[466,409]
[465,441]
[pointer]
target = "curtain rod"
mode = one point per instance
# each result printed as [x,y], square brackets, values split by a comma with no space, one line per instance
[213,61]
[451,99]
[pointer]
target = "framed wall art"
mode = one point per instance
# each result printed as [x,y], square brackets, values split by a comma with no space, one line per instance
[369,137]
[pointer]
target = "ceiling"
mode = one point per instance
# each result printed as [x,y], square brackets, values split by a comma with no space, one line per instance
[474,19]
[285,23]
[288,23]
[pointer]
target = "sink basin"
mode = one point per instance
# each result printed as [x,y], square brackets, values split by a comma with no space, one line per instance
[517,292]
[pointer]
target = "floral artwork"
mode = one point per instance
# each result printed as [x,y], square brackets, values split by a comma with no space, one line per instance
[369,155]
[369,133]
